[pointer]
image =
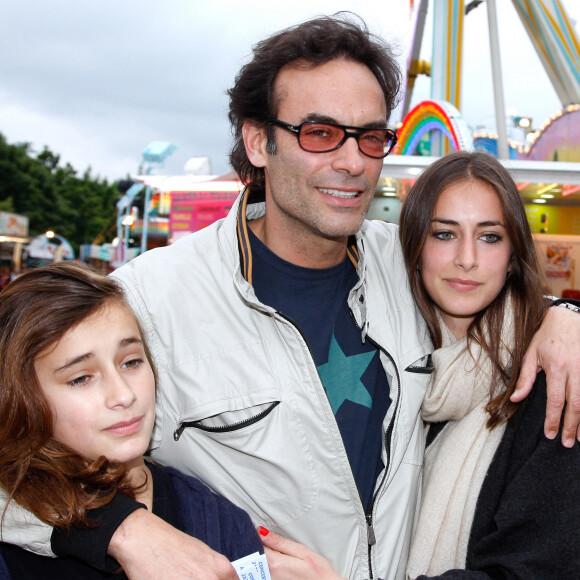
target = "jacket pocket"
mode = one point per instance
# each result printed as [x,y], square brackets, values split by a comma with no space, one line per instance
[423,367]
[243,432]
[229,420]
[416,382]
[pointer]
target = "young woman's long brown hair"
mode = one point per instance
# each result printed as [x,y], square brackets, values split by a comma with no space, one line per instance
[46,477]
[525,283]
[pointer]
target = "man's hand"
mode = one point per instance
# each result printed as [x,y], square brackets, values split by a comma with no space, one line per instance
[290,560]
[149,548]
[556,349]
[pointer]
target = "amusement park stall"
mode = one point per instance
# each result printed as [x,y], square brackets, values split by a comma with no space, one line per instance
[190,203]
[13,237]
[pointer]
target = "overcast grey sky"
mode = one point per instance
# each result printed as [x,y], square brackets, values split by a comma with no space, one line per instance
[97,81]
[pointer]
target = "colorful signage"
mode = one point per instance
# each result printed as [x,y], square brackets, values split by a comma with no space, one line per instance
[12,224]
[559,261]
[194,210]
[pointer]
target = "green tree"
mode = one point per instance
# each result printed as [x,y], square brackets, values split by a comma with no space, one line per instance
[54,196]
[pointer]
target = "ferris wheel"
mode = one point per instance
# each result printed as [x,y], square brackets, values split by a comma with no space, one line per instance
[546,23]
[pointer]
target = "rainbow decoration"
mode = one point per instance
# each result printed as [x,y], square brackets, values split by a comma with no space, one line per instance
[428,116]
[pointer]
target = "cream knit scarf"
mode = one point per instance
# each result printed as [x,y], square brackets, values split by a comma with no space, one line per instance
[457,461]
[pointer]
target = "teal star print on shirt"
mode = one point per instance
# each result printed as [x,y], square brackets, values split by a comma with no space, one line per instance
[341,377]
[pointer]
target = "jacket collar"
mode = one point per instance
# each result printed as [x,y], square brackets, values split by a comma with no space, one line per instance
[248,198]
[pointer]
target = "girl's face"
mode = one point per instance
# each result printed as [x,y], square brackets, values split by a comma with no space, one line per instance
[466,257]
[101,387]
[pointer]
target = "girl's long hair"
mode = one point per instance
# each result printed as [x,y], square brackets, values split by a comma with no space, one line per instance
[525,283]
[46,477]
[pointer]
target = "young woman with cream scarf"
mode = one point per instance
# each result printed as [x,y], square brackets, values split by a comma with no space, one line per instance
[499,499]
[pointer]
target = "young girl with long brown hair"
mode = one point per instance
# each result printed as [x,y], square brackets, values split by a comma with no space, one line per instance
[77,401]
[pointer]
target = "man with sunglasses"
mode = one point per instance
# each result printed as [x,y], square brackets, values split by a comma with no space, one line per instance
[292,360]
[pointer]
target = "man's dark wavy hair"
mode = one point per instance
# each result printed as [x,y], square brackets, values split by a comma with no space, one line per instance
[315,42]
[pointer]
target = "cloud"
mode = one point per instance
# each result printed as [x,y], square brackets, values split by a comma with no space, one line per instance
[98,81]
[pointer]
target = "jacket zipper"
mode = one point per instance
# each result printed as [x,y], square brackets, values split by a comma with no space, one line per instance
[371,537]
[372,540]
[387,442]
[368,517]
[224,428]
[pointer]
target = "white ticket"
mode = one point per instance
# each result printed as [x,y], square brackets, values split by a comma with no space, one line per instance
[252,567]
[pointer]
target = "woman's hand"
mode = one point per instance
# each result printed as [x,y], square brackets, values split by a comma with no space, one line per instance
[290,560]
[556,349]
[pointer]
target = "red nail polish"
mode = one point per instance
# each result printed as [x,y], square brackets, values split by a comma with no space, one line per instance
[263,531]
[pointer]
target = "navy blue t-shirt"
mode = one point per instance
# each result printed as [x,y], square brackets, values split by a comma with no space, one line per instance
[351,371]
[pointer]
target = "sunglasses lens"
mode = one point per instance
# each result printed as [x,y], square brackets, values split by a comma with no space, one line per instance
[319,137]
[375,143]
